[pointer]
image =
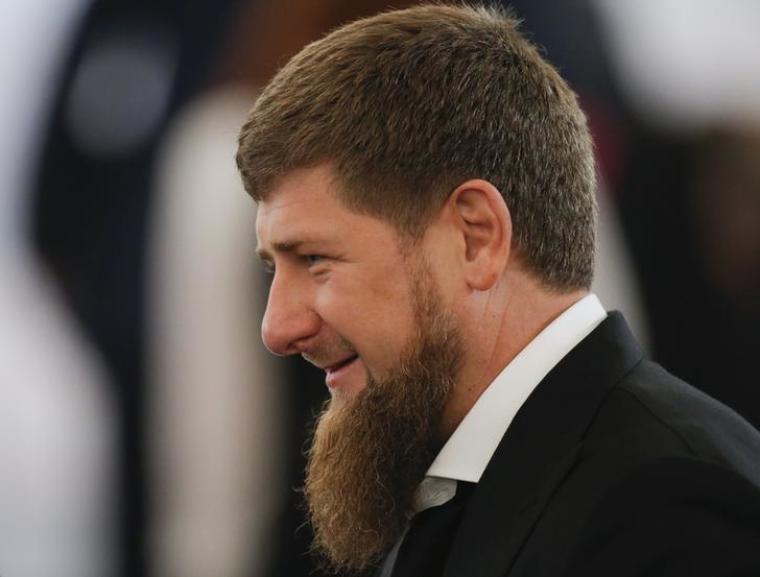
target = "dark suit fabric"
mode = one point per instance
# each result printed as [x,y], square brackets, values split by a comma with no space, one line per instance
[430,533]
[614,467]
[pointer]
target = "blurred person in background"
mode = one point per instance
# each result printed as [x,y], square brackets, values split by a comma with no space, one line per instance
[688,187]
[448,302]
[57,432]
[126,72]
[216,420]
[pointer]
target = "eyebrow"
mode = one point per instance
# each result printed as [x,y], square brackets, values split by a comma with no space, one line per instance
[279,246]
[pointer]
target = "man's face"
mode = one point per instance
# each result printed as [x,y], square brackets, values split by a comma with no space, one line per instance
[340,295]
[346,298]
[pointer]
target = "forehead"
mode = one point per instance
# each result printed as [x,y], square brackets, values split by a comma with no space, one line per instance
[303,206]
[303,198]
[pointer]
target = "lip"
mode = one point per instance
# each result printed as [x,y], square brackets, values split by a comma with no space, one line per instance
[336,372]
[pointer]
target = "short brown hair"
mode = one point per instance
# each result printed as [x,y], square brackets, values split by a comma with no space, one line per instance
[408,104]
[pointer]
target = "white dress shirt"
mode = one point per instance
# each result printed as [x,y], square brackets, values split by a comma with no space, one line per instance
[466,454]
[469,449]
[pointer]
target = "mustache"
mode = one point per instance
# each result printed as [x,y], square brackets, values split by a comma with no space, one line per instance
[322,354]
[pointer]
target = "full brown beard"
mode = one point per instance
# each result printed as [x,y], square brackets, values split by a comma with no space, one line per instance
[370,452]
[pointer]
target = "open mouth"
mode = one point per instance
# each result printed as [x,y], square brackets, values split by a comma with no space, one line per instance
[344,363]
[336,376]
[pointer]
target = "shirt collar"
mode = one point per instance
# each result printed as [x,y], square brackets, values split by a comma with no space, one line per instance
[469,449]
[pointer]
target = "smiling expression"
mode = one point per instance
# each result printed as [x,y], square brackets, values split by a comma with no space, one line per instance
[340,295]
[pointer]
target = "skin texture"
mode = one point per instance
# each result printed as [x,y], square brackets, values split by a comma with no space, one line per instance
[333,292]
[419,330]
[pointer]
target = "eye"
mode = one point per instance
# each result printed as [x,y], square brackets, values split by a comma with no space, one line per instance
[312,259]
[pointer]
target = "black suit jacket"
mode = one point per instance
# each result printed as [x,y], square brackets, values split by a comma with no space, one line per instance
[615,468]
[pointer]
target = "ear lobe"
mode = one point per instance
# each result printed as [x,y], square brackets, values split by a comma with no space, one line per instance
[486,228]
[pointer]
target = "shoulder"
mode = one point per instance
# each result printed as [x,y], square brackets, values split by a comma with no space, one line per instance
[672,516]
[652,414]
[662,480]
[667,478]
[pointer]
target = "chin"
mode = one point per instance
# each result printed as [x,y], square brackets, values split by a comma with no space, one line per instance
[347,391]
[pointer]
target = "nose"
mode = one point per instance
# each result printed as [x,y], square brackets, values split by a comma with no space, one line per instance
[289,323]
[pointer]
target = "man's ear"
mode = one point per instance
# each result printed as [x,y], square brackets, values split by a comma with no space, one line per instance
[485,225]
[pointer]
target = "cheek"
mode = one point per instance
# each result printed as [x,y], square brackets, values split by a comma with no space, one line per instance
[375,318]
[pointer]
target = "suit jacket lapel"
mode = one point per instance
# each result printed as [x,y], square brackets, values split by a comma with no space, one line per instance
[538,450]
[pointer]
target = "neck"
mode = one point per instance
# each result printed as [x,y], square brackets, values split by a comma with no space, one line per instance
[509,319]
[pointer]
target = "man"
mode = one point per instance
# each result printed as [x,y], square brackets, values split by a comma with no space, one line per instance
[425,187]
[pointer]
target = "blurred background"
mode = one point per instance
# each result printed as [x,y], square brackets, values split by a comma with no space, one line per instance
[144,431]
